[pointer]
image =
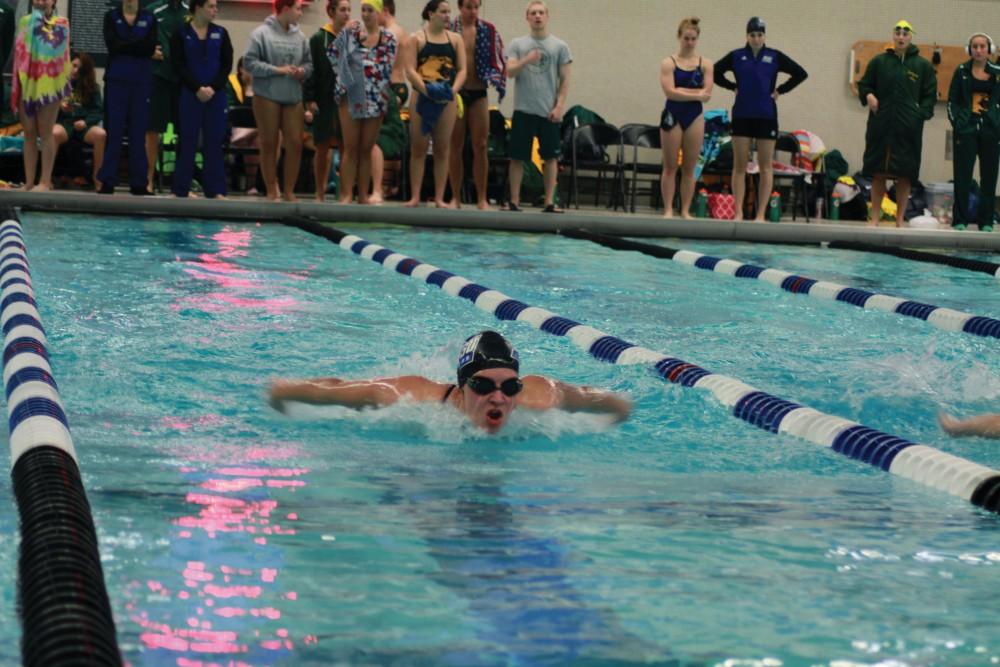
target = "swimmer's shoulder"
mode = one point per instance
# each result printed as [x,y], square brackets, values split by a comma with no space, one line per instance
[540,392]
[419,388]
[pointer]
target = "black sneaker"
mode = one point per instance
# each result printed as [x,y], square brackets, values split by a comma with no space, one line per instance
[106,189]
[140,191]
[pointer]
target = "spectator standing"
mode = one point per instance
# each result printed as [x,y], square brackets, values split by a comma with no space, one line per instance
[130,35]
[435,66]
[81,113]
[362,57]
[900,88]
[278,59]
[203,57]
[755,112]
[687,80]
[484,51]
[40,81]
[163,100]
[319,92]
[391,140]
[974,112]
[539,63]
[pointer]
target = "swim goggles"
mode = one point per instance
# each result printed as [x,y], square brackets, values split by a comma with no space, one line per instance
[484,386]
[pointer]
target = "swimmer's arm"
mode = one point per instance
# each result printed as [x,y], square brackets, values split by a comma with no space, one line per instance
[542,393]
[672,92]
[985,425]
[356,394]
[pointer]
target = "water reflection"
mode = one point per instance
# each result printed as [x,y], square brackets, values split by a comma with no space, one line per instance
[225,599]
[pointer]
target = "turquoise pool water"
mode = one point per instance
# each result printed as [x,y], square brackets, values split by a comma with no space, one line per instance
[231,534]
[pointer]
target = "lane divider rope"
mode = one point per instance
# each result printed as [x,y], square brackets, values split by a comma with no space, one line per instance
[973,482]
[942,318]
[63,603]
[978,265]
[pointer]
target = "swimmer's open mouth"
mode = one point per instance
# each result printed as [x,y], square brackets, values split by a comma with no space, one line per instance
[495,414]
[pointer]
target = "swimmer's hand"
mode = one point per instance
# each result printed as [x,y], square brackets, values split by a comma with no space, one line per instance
[987,426]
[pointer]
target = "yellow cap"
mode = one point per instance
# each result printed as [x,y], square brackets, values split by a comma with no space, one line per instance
[376,5]
[904,24]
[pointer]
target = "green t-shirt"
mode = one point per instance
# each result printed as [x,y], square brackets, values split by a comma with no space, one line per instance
[169,20]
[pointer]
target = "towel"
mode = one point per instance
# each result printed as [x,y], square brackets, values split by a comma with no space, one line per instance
[491,63]
[41,62]
[429,106]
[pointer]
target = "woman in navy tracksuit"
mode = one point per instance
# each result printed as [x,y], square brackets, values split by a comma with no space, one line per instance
[755,112]
[130,34]
[203,56]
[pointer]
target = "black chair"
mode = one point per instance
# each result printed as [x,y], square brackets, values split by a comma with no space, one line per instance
[589,146]
[238,116]
[789,143]
[497,181]
[640,135]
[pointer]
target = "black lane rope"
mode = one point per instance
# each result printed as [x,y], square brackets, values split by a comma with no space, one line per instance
[942,318]
[921,256]
[63,603]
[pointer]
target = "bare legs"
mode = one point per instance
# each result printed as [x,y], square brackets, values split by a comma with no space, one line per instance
[321,167]
[671,142]
[271,117]
[514,175]
[418,152]
[359,138]
[477,117]
[39,126]
[95,136]
[693,138]
[765,159]
[741,156]
[878,192]
[152,154]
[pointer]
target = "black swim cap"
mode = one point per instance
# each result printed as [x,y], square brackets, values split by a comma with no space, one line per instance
[756,24]
[486,349]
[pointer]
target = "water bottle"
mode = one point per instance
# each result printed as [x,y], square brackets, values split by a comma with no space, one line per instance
[774,207]
[835,206]
[701,204]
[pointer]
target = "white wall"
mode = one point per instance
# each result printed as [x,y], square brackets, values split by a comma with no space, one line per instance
[617,49]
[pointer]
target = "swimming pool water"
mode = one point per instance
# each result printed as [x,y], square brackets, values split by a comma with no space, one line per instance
[231,534]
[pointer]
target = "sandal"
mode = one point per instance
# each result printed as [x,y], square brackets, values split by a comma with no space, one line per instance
[551,208]
[511,206]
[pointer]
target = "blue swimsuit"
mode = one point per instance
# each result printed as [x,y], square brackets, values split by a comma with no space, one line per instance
[683,113]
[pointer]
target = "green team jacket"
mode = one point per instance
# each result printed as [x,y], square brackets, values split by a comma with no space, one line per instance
[168,21]
[906,89]
[960,101]
[319,86]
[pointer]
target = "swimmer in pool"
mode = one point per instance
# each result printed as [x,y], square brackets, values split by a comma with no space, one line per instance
[488,388]
[987,426]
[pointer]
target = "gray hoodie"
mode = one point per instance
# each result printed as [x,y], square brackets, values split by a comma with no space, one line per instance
[271,47]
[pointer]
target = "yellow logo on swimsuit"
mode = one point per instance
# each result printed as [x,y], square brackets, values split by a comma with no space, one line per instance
[437,68]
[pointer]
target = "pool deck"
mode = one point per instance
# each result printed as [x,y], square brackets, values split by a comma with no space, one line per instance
[598,220]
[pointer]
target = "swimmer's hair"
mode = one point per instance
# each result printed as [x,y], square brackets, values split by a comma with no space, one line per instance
[536,2]
[389,6]
[282,4]
[430,8]
[331,5]
[461,3]
[194,4]
[690,23]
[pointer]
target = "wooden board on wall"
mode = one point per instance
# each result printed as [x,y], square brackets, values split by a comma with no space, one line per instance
[951,57]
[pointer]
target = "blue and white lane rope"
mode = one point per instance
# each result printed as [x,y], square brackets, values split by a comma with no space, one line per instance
[942,318]
[35,412]
[973,482]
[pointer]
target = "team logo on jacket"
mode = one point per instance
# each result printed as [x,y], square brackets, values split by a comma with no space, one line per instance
[767,59]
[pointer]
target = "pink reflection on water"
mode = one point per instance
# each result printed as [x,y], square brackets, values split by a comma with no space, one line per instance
[211,611]
[239,287]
